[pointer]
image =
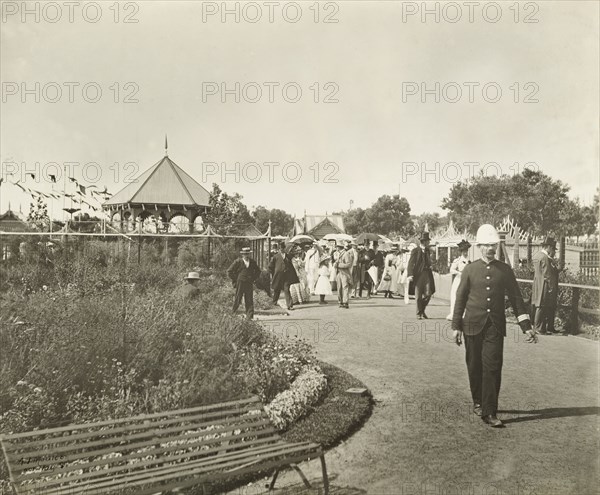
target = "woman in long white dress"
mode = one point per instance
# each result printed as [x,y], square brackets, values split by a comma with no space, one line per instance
[323,285]
[456,268]
[389,278]
[402,283]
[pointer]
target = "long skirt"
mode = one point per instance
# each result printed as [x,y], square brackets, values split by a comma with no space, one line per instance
[453,289]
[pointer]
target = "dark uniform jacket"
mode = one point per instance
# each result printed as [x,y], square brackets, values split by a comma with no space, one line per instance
[282,270]
[545,280]
[481,295]
[238,272]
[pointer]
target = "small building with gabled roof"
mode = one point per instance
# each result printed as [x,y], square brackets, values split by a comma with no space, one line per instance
[318,226]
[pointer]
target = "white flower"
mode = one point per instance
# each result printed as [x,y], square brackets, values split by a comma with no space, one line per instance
[44,287]
[37,390]
[21,382]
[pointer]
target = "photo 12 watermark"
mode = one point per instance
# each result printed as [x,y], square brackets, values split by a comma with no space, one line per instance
[470,12]
[270,172]
[469,92]
[37,173]
[69,92]
[313,332]
[269,92]
[270,12]
[454,172]
[70,12]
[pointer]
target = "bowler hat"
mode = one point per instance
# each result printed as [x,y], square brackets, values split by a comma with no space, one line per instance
[245,250]
[192,276]
[424,237]
[549,241]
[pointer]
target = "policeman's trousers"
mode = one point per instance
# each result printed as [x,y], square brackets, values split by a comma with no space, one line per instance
[484,353]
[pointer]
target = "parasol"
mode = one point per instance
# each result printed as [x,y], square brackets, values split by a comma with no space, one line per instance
[337,237]
[302,239]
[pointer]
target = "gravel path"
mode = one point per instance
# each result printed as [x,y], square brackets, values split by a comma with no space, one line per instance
[422,438]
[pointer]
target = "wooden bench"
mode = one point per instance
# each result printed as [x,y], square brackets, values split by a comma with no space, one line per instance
[154,453]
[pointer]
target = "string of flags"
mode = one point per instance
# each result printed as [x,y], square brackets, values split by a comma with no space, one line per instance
[81,195]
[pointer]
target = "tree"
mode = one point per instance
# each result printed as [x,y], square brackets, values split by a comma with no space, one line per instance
[389,215]
[538,203]
[433,221]
[354,220]
[281,221]
[227,215]
[38,215]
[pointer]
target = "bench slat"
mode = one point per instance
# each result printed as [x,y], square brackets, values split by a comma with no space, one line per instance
[114,460]
[158,435]
[101,478]
[233,414]
[185,483]
[139,417]
[187,469]
[121,448]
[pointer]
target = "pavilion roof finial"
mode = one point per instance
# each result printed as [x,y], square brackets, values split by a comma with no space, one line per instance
[166,146]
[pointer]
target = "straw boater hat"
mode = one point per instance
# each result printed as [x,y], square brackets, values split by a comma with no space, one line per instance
[192,276]
[246,250]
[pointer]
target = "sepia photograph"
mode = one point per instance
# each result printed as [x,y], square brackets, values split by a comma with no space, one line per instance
[300,247]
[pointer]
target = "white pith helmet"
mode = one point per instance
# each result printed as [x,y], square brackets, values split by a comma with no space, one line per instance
[487,234]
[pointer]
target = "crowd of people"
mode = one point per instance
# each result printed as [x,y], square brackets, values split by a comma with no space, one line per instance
[354,270]
[478,293]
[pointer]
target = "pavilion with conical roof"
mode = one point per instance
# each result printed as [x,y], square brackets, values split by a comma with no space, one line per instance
[165,196]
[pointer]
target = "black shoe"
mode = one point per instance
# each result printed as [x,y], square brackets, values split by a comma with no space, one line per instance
[346,306]
[424,315]
[477,409]
[493,421]
[290,308]
[391,297]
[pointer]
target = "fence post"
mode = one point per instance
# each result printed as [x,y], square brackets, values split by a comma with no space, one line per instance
[529,250]
[563,244]
[516,248]
[139,241]
[574,316]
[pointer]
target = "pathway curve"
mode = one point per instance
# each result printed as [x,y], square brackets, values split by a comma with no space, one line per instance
[422,437]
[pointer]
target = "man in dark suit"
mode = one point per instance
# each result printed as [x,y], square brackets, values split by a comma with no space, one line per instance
[283,274]
[419,271]
[480,298]
[243,272]
[378,261]
[544,294]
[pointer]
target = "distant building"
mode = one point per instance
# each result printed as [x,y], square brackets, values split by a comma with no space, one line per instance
[319,226]
[12,222]
[165,195]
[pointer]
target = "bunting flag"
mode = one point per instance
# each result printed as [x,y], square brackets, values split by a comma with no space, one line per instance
[52,178]
[81,189]
[32,175]
[73,180]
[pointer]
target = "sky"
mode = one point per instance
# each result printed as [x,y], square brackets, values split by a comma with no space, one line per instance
[388,99]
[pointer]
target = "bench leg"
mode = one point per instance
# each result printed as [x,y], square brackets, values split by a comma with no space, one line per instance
[325,478]
[272,484]
[301,474]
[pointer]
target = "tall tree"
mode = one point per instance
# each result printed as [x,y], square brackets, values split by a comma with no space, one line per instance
[228,214]
[433,221]
[281,221]
[538,203]
[389,215]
